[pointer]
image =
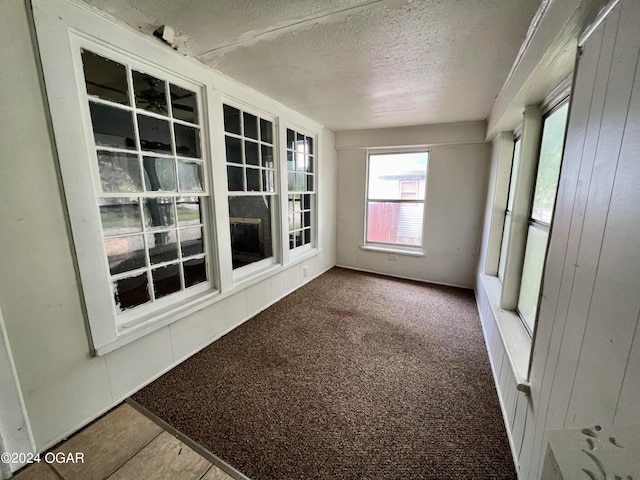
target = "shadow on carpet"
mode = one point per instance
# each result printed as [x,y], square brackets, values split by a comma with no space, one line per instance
[352,376]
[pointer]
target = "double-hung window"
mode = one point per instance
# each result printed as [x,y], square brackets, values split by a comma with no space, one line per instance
[251,173]
[301,186]
[541,195]
[396,192]
[150,183]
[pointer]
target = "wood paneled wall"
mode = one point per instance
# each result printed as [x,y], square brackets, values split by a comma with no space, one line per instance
[586,352]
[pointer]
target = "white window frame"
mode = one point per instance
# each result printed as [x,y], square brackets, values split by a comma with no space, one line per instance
[417,250]
[517,238]
[252,270]
[313,245]
[61,38]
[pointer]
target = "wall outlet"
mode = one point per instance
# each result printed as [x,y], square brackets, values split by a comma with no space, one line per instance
[393,257]
[305,270]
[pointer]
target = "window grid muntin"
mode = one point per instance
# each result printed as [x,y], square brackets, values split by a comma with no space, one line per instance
[244,165]
[144,193]
[302,235]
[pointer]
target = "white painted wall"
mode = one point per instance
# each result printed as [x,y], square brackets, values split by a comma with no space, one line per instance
[456,188]
[63,386]
[585,366]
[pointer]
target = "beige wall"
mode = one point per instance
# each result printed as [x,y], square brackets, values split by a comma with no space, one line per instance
[456,189]
[63,386]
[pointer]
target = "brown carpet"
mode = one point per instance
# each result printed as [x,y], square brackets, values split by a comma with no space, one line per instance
[353,376]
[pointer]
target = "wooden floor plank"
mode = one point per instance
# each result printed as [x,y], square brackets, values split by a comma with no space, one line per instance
[39,471]
[165,457]
[107,444]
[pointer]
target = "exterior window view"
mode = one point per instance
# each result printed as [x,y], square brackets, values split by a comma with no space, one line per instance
[396,198]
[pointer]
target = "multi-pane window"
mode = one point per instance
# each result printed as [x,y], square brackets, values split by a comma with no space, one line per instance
[151,190]
[301,186]
[395,199]
[544,196]
[249,143]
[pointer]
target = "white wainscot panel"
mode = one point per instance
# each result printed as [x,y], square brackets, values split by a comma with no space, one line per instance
[191,333]
[134,364]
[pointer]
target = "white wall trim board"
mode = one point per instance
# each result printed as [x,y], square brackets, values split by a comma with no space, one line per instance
[403,277]
[516,340]
[601,17]
[15,430]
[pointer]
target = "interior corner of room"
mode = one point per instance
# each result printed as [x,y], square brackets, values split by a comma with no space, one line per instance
[164,182]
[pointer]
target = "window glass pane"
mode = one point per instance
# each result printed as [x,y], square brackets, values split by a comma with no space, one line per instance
[266,131]
[234,149]
[268,181]
[159,174]
[307,236]
[187,141]
[163,246]
[532,275]
[291,182]
[504,246]
[189,212]
[267,156]
[190,177]
[131,292]
[155,135]
[251,153]
[253,180]
[166,280]
[549,164]
[300,143]
[514,173]
[250,126]
[309,145]
[191,241]
[387,171]
[291,161]
[105,78]
[158,212]
[309,187]
[120,216]
[309,165]
[125,253]
[234,179]
[184,104]
[396,222]
[250,219]
[112,127]
[291,139]
[232,120]
[150,92]
[300,162]
[195,271]
[119,172]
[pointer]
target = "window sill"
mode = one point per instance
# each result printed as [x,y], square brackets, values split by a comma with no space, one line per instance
[392,249]
[515,338]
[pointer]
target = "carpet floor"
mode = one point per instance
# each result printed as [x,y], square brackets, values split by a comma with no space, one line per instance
[352,376]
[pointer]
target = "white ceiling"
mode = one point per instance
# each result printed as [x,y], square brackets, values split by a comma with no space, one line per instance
[351,64]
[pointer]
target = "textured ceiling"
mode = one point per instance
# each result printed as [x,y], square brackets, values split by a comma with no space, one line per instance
[351,64]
